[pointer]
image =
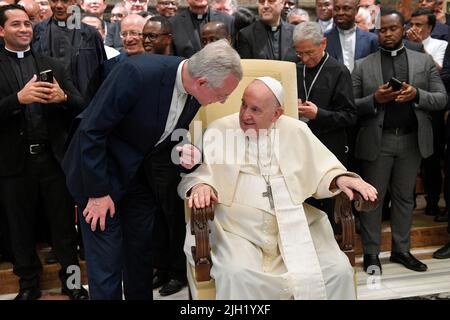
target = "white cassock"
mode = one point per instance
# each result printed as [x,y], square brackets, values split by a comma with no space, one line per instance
[263,253]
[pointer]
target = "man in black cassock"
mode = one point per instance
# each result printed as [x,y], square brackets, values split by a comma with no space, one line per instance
[325,97]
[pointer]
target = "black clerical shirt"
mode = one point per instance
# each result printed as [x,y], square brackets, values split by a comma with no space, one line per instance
[397,115]
[61,39]
[198,21]
[274,36]
[24,69]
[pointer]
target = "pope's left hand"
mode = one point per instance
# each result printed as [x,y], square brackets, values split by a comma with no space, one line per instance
[190,155]
[348,184]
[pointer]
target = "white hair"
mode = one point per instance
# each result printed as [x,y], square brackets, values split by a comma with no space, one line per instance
[215,62]
[298,12]
[308,31]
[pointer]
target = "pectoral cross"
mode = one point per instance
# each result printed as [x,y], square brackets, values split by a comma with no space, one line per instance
[269,194]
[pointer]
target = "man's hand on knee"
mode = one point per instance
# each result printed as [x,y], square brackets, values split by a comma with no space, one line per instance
[202,195]
[96,211]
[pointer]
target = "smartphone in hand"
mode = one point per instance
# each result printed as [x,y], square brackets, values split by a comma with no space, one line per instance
[395,84]
[46,76]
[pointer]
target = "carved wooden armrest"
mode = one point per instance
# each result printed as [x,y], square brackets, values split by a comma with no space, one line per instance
[201,252]
[343,215]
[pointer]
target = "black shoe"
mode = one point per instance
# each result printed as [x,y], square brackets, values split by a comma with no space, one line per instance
[75,294]
[29,294]
[171,287]
[443,253]
[432,210]
[159,279]
[51,257]
[408,260]
[372,264]
[441,217]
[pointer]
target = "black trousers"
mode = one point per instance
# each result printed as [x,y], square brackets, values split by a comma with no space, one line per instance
[170,228]
[5,246]
[432,165]
[42,179]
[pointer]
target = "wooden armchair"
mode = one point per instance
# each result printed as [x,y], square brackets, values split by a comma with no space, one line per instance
[201,285]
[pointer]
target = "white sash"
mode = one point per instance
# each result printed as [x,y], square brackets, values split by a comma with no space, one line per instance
[297,247]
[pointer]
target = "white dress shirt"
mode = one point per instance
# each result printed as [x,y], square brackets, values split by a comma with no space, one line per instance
[348,44]
[435,48]
[179,97]
[326,25]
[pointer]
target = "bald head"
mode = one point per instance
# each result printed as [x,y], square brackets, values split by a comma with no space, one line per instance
[32,9]
[131,33]
[133,20]
[213,31]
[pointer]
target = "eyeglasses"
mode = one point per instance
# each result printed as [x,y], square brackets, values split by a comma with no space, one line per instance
[309,54]
[167,3]
[116,15]
[64,1]
[133,34]
[140,1]
[153,36]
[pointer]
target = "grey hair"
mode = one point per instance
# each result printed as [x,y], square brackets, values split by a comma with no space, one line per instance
[308,31]
[298,12]
[215,62]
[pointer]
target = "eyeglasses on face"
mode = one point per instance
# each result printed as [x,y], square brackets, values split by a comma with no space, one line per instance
[308,54]
[63,1]
[153,36]
[167,3]
[116,15]
[132,33]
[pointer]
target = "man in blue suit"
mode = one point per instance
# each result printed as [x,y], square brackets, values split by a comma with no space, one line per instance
[142,101]
[346,42]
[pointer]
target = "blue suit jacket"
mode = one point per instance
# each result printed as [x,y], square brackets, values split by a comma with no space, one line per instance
[121,126]
[366,43]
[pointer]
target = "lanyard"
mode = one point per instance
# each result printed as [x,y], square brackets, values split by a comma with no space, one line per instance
[308,92]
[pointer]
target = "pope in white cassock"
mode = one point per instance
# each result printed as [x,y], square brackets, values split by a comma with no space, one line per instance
[265,242]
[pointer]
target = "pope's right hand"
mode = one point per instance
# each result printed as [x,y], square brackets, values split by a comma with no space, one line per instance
[96,211]
[202,195]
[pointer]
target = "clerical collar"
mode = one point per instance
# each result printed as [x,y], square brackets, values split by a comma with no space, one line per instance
[347,32]
[393,53]
[199,16]
[272,28]
[18,54]
[59,23]
[325,23]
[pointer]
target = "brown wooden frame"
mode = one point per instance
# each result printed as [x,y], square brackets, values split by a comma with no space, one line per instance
[343,215]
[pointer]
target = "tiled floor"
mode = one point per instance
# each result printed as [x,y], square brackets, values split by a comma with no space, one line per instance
[399,282]
[395,283]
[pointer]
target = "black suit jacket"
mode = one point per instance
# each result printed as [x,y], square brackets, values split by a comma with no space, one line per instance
[186,41]
[13,140]
[253,43]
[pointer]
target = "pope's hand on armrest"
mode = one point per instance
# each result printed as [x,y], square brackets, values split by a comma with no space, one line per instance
[202,195]
[348,184]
